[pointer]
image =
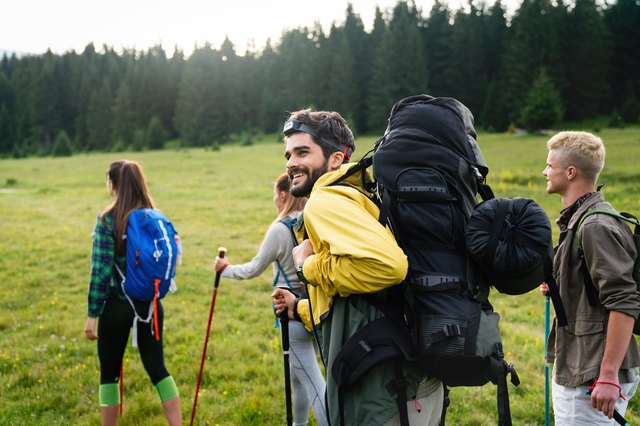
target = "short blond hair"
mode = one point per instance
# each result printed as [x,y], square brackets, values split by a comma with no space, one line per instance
[583,150]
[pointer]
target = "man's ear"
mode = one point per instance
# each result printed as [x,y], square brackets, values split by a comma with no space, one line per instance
[335,160]
[572,172]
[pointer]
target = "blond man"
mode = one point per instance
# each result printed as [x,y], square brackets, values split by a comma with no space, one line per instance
[595,356]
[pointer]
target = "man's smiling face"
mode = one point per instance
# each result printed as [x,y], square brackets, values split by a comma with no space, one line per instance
[305,163]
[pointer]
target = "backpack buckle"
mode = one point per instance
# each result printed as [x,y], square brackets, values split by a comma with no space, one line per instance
[452,330]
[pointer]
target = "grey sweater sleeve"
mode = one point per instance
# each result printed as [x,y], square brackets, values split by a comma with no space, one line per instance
[271,249]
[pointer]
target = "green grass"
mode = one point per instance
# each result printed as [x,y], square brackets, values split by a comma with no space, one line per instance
[49,371]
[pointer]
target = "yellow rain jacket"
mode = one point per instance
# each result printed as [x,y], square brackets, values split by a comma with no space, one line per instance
[354,253]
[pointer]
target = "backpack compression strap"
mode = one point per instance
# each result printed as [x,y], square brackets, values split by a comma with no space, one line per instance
[136,317]
[155,309]
[554,290]
[502,392]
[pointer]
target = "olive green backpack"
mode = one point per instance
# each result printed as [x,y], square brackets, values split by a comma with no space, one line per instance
[588,282]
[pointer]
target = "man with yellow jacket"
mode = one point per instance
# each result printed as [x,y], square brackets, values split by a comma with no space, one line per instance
[347,253]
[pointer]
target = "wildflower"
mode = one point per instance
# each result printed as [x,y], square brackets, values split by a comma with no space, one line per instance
[53,336]
[62,347]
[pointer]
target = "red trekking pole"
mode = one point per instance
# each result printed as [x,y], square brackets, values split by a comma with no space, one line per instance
[221,252]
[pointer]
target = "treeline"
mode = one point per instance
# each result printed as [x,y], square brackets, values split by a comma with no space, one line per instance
[550,61]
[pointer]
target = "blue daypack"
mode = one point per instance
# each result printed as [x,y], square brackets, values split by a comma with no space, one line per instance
[152,252]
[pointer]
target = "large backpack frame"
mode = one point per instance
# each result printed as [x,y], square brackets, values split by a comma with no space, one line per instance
[428,170]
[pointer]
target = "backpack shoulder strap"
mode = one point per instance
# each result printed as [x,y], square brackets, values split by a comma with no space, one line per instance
[291,222]
[361,166]
[380,340]
[590,287]
[627,217]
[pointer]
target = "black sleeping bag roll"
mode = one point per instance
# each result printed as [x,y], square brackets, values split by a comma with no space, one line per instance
[510,239]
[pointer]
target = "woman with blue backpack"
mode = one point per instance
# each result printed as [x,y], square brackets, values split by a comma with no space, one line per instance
[116,312]
[307,381]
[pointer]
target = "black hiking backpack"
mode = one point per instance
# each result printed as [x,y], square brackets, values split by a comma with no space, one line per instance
[428,171]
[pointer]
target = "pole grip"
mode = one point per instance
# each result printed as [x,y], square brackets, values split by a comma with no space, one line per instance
[221,253]
[284,324]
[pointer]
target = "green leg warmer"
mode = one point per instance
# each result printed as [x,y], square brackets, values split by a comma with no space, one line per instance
[109,394]
[167,389]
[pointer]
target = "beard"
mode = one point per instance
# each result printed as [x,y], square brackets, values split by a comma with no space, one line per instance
[304,189]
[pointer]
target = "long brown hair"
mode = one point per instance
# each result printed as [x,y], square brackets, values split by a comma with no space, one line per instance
[291,203]
[131,193]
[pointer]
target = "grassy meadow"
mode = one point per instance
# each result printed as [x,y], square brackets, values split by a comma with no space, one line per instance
[49,371]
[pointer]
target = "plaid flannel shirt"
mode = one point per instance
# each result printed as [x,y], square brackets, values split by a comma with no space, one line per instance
[104,276]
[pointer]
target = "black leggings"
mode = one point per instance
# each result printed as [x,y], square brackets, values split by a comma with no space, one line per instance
[114,327]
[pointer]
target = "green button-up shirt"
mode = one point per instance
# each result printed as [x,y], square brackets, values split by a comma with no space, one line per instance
[104,276]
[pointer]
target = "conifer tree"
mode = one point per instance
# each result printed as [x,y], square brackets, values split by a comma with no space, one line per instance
[156,135]
[198,108]
[99,118]
[123,124]
[622,19]
[377,94]
[585,52]
[543,106]
[534,26]
[62,145]
[439,44]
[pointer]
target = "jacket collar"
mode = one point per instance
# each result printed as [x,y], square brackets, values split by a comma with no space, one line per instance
[586,204]
[331,177]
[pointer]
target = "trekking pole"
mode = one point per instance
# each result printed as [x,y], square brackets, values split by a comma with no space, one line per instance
[121,386]
[221,252]
[547,408]
[284,327]
[618,418]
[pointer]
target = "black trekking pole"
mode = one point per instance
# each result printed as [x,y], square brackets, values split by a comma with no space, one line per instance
[618,418]
[284,327]
[221,252]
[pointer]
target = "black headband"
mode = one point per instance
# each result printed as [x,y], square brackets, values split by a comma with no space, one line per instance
[294,126]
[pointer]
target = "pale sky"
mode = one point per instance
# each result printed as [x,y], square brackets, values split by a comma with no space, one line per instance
[32,26]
